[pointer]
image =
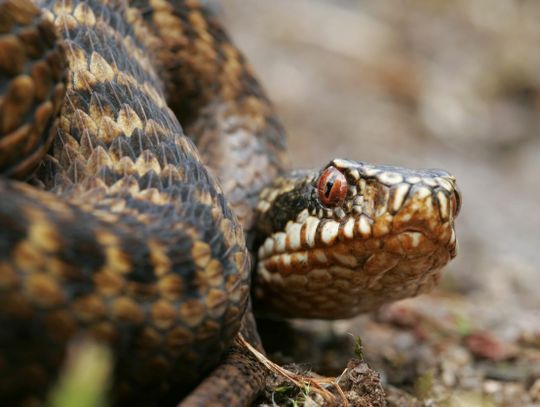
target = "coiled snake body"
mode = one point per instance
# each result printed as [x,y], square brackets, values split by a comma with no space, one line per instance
[122,233]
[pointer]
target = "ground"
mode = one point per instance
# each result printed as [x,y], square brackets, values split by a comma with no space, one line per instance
[449,84]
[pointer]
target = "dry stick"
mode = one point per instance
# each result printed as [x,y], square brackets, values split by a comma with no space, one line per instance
[297,379]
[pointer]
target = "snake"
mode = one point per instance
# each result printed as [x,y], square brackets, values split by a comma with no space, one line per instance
[147,202]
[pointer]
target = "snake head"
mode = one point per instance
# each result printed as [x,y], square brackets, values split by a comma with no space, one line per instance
[351,237]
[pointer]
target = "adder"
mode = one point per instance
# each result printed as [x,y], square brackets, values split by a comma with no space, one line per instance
[118,223]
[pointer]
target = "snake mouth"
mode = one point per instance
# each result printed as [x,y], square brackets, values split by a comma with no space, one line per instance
[387,240]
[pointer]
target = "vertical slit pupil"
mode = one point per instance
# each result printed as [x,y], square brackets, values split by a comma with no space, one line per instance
[329,186]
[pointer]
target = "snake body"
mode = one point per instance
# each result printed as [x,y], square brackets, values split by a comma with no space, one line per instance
[122,233]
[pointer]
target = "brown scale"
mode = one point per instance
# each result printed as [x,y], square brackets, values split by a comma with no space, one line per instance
[32,70]
[211,87]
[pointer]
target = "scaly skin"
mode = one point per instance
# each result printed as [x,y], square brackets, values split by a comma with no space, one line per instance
[126,236]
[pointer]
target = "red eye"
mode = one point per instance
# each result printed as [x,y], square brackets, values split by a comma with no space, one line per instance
[332,187]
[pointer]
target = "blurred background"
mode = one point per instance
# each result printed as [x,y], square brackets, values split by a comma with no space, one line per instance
[449,84]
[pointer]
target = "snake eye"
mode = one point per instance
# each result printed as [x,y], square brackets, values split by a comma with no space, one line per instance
[332,187]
